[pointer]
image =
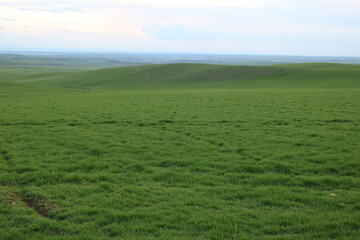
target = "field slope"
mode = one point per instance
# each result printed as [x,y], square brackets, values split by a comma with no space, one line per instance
[181,151]
[185,76]
[162,76]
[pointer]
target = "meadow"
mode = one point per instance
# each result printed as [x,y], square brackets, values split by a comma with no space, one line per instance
[181,151]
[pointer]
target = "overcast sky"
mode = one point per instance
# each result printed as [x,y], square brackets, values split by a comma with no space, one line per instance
[290,27]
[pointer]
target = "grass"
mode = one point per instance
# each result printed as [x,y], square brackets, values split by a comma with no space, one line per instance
[234,159]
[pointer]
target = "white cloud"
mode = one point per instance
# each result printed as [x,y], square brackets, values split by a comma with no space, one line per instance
[342,3]
[7,19]
[54,10]
[238,3]
[185,24]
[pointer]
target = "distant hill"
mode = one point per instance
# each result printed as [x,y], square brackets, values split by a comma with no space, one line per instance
[185,76]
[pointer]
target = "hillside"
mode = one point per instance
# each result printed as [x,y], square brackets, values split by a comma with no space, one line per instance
[184,76]
[161,76]
[230,154]
[191,76]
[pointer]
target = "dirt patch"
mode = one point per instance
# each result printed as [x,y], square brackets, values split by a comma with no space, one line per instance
[40,205]
[5,184]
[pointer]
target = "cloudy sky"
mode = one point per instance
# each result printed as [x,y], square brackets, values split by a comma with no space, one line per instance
[290,27]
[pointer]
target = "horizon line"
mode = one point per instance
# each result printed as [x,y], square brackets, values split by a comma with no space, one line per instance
[72,51]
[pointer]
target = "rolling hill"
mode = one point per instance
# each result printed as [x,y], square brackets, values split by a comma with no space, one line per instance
[185,76]
[267,152]
[161,76]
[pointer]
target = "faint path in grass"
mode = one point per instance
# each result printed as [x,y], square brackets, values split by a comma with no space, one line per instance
[164,125]
[192,136]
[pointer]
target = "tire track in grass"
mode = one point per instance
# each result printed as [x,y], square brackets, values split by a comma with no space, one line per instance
[162,125]
[220,145]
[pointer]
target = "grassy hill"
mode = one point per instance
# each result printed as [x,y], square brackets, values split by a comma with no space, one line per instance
[184,76]
[208,152]
[161,76]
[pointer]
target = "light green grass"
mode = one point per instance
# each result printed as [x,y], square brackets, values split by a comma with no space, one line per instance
[240,163]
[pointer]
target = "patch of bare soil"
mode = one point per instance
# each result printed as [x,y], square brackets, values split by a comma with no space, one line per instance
[40,205]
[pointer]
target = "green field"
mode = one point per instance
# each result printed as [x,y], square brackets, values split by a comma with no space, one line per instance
[181,151]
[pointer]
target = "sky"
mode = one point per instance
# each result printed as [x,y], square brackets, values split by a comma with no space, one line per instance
[266,27]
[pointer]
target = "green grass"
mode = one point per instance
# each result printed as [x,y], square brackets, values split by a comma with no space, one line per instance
[246,156]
